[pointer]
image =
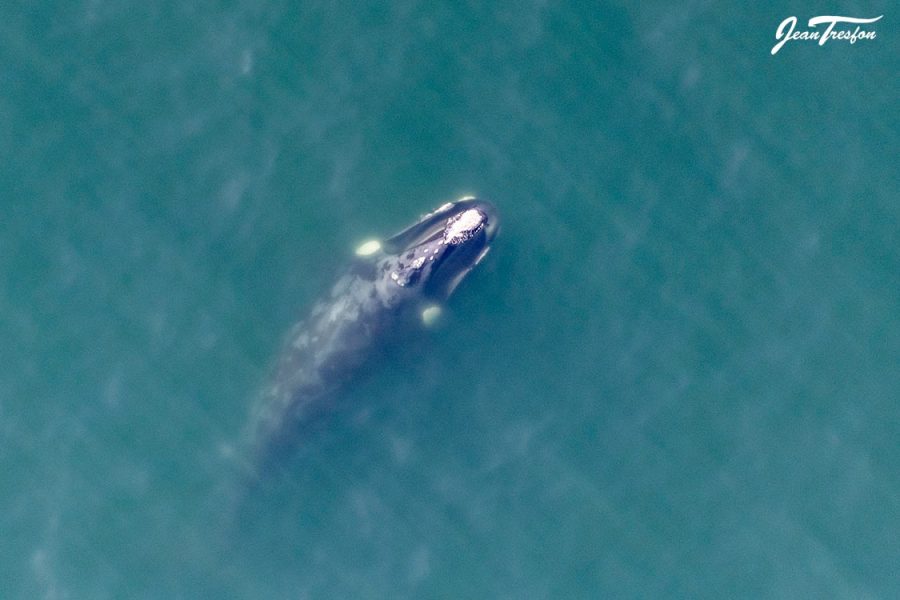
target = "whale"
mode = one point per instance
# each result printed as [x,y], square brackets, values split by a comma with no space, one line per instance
[390,286]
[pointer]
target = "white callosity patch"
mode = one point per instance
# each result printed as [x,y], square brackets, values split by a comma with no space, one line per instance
[464,226]
[402,278]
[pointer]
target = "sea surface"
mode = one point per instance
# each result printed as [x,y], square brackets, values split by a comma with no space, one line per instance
[676,375]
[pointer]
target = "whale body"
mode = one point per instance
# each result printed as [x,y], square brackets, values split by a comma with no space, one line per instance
[388,287]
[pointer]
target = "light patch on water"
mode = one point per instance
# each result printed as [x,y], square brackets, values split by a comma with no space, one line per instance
[71,265]
[690,77]
[740,152]
[112,390]
[368,248]
[363,503]
[226,450]
[234,191]
[246,61]
[419,564]
[809,244]
[401,449]
[45,576]
[430,315]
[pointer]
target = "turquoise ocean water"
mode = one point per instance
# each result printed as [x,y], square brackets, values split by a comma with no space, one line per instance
[675,375]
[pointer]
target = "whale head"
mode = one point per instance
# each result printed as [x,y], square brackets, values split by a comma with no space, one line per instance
[435,254]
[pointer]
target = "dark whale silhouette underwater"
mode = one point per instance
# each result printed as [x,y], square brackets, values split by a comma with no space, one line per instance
[390,286]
